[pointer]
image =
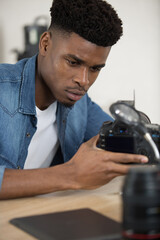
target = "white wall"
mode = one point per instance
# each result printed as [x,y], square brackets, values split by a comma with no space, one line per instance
[14,14]
[134,62]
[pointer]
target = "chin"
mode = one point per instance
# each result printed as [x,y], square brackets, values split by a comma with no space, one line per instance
[68,103]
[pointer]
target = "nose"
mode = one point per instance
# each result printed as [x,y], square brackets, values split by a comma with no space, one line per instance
[82,77]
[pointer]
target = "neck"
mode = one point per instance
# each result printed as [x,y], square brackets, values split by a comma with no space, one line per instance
[43,95]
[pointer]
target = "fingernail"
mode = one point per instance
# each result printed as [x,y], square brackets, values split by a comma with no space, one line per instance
[144,159]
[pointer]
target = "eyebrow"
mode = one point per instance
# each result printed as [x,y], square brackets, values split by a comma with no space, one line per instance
[83,62]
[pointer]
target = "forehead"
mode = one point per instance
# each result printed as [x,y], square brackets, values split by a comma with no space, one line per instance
[73,44]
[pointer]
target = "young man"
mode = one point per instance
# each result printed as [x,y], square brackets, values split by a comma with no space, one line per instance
[46,116]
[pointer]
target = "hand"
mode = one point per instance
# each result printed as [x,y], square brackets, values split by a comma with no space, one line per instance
[95,167]
[89,168]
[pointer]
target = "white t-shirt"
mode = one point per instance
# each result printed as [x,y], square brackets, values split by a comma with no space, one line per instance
[44,143]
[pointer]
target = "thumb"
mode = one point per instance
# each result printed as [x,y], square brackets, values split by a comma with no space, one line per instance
[93,141]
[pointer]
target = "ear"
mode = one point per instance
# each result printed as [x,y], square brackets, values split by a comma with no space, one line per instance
[44,43]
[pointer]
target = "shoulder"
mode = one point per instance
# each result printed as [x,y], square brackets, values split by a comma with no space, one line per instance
[12,72]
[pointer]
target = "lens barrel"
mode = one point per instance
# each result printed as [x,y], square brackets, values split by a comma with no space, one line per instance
[141,204]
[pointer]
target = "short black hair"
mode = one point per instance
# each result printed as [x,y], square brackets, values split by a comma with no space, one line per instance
[94,20]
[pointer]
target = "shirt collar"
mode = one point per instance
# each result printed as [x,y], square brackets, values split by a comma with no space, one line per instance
[27,92]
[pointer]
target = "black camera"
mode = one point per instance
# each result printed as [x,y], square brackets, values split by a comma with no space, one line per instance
[119,137]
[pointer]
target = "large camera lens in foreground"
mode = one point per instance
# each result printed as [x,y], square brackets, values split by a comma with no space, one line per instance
[141,204]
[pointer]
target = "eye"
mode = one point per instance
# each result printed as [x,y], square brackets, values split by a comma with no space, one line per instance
[95,69]
[72,62]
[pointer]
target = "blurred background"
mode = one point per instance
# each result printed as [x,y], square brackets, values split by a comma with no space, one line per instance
[133,63]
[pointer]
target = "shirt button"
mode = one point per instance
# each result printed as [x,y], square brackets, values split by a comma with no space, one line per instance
[28,134]
[64,121]
[18,167]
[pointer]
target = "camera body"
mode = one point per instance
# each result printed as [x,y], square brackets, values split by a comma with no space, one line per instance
[118,137]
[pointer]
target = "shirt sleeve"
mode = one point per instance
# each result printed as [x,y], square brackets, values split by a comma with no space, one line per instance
[96,117]
[2,169]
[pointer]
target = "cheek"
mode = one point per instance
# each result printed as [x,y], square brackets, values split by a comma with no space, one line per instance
[92,78]
[55,73]
[59,78]
[61,71]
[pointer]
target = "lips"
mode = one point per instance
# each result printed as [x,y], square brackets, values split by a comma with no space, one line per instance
[75,95]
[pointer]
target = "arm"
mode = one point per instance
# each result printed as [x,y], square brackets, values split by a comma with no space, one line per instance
[25,183]
[89,168]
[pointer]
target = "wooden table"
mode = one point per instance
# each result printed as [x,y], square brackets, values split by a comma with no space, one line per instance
[105,200]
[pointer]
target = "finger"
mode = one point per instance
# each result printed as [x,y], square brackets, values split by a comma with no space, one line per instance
[125,157]
[115,169]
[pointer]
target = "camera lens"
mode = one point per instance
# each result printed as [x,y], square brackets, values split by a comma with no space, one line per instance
[141,204]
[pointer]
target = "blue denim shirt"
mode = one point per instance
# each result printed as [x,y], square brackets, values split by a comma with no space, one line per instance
[18,118]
